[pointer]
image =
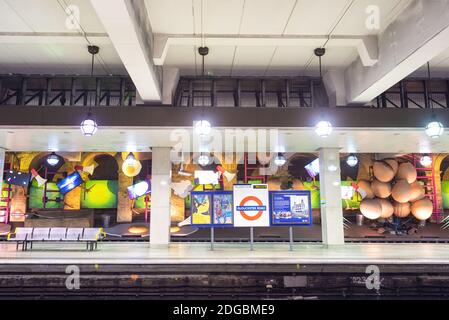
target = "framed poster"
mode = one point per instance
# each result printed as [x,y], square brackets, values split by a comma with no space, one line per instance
[222,209]
[251,205]
[291,208]
[201,208]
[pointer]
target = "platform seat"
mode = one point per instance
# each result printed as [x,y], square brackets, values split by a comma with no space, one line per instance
[26,236]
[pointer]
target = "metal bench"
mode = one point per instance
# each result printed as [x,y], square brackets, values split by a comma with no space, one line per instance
[26,236]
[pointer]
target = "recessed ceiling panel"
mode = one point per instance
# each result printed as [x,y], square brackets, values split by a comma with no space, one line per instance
[266,16]
[171,16]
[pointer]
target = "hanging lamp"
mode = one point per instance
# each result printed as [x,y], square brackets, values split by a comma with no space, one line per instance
[434,129]
[89,126]
[323,128]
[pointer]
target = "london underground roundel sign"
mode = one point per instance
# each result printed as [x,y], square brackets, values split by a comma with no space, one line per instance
[251,206]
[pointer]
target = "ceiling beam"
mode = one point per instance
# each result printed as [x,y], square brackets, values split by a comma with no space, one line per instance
[419,34]
[128,27]
[366,46]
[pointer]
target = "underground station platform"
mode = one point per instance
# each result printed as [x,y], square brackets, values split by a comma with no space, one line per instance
[205,149]
[231,271]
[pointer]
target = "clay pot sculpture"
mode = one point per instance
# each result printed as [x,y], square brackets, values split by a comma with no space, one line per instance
[401,191]
[371,208]
[406,171]
[418,192]
[401,210]
[422,209]
[393,164]
[387,208]
[383,171]
[365,190]
[381,189]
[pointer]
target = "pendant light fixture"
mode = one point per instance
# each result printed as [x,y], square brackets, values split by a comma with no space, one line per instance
[89,126]
[203,127]
[323,128]
[280,160]
[426,161]
[434,128]
[203,160]
[53,159]
[352,160]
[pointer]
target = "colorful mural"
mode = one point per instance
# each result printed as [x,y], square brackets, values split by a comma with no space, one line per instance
[99,194]
[36,193]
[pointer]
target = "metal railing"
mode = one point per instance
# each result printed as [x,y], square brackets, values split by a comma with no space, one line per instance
[415,93]
[66,90]
[304,92]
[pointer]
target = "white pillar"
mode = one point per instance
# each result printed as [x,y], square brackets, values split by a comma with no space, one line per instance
[330,192]
[2,167]
[160,197]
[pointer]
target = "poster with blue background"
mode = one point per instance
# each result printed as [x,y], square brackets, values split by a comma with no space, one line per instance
[291,208]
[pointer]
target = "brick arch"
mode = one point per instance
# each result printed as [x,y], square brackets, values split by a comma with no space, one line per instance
[88,158]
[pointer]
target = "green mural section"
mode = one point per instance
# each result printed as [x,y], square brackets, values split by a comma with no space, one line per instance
[350,203]
[102,194]
[4,194]
[445,193]
[37,193]
[99,194]
[140,203]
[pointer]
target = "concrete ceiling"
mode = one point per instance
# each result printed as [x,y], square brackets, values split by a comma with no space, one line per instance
[246,37]
[34,39]
[266,18]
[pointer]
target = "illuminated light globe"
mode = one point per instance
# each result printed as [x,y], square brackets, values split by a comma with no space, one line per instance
[352,161]
[203,160]
[425,161]
[203,127]
[89,127]
[435,128]
[323,128]
[52,159]
[131,166]
[280,160]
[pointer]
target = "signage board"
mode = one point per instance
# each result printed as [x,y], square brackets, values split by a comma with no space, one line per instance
[291,208]
[211,208]
[251,205]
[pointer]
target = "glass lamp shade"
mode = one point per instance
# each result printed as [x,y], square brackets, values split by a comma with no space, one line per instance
[352,161]
[425,161]
[280,160]
[52,159]
[131,166]
[323,128]
[203,127]
[203,160]
[89,126]
[130,159]
[434,129]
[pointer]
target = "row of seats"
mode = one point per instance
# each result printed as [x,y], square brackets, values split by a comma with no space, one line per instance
[28,235]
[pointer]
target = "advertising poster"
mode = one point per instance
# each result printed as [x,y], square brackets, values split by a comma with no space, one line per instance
[291,208]
[222,213]
[251,205]
[201,208]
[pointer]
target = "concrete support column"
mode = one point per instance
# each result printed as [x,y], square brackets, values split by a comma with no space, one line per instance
[160,197]
[330,191]
[169,84]
[2,167]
